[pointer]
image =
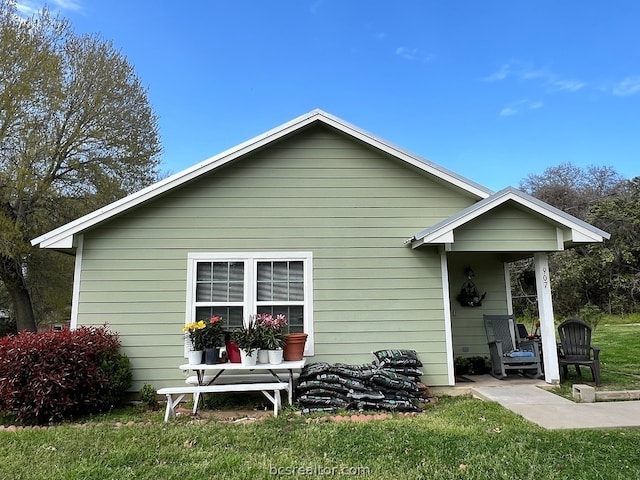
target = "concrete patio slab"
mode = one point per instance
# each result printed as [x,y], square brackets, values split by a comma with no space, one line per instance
[553,412]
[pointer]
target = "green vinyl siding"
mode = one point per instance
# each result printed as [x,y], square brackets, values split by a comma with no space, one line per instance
[506,228]
[351,206]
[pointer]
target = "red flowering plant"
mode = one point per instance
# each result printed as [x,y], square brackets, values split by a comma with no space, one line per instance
[271,330]
[211,335]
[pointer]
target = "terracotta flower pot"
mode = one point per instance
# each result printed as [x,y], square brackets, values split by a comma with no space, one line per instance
[294,346]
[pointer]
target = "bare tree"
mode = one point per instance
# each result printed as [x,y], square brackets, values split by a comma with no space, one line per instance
[573,189]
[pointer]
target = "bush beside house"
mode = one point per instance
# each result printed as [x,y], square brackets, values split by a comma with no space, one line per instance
[51,376]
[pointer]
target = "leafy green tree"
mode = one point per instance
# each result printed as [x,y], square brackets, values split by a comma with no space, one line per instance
[76,132]
[616,263]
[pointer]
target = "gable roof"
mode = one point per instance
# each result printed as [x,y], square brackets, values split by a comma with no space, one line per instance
[575,230]
[63,237]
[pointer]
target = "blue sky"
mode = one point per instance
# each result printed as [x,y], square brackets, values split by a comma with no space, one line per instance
[493,90]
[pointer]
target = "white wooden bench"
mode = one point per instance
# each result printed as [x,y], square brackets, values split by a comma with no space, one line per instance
[231,379]
[176,394]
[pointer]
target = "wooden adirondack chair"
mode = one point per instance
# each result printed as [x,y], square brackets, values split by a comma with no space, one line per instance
[506,353]
[575,348]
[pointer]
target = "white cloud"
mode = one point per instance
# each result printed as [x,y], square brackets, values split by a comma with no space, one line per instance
[525,72]
[68,5]
[28,8]
[628,86]
[413,54]
[517,107]
[566,85]
[501,74]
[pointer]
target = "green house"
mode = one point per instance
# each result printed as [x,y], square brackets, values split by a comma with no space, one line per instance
[363,245]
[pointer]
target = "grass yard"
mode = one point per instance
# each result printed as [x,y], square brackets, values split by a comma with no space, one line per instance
[619,340]
[457,438]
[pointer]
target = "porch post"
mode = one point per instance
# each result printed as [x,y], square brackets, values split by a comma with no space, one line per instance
[545,310]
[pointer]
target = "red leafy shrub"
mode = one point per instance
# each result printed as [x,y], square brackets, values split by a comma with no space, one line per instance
[50,376]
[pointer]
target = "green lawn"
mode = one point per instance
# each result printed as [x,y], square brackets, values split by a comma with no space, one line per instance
[619,340]
[457,438]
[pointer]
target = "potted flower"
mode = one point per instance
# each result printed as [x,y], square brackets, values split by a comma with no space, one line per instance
[197,347]
[272,332]
[461,365]
[211,339]
[248,340]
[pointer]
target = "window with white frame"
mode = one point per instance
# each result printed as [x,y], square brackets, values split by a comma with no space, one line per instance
[238,285]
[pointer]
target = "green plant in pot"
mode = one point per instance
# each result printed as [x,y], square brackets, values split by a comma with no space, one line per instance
[248,337]
[193,330]
[461,365]
[271,330]
[211,335]
[477,365]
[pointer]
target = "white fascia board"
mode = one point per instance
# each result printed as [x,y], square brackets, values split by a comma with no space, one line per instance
[65,242]
[438,237]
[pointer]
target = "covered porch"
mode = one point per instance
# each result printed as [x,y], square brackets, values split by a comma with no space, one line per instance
[485,238]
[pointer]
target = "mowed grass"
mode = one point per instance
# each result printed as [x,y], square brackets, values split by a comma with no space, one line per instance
[619,340]
[456,438]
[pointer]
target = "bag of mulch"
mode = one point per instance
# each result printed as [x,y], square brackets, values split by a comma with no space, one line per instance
[400,395]
[366,395]
[360,372]
[314,369]
[314,384]
[350,383]
[394,381]
[406,371]
[323,392]
[399,406]
[308,400]
[397,358]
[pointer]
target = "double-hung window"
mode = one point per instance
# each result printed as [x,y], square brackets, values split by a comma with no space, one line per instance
[238,285]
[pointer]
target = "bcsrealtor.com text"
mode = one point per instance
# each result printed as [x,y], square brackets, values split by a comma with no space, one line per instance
[318,470]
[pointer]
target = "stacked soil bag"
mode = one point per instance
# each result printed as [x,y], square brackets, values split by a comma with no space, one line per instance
[391,383]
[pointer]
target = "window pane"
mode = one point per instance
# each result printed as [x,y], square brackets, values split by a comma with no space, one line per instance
[204,271]
[264,272]
[236,292]
[203,292]
[280,281]
[296,292]
[220,271]
[280,271]
[231,316]
[220,292]
[236,272]
[264,292]
[296,319]
[296,272]
[280,291]
[294,313]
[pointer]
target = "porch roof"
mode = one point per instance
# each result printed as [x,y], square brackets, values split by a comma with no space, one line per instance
[574,230]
